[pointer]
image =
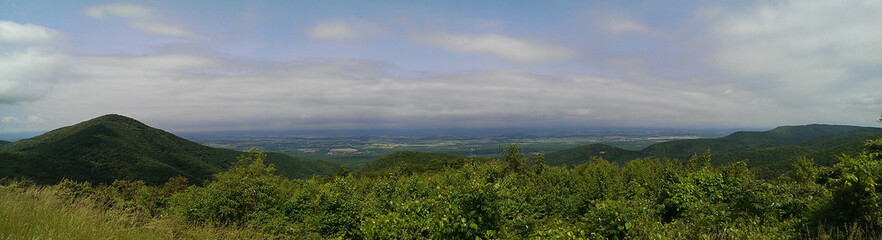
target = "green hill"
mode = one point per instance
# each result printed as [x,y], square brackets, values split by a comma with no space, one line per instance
[575,156]
[750,140]
[411,162]
[767,152]
[3,143]
[117,147]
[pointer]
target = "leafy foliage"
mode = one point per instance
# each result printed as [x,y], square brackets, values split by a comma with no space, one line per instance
[857,190]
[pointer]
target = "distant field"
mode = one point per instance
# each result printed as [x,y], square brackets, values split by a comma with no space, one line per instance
[372,145]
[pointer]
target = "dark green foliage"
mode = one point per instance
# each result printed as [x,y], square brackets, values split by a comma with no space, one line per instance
[745,141]
[873,149]
[857,191]
[768,153]
[518,162]
[248,191]
[598,179]
[575,156]
[114,147]
[408,162]
[803,170]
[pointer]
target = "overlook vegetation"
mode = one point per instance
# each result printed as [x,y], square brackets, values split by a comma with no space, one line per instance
[513,196]
[412,195]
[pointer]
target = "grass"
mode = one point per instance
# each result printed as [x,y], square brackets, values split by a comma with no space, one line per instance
[33,212]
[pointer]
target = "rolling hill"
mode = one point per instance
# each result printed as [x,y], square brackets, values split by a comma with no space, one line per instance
[411,162]
[112,147]
[574,156]
[767,152]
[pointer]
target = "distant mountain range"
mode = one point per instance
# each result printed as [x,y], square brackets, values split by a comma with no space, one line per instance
[768,153]
[117,147]
[114,147]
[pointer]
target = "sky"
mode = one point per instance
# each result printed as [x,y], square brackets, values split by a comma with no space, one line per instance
[302,65]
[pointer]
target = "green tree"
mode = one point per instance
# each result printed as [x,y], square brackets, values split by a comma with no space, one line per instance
[248,192]
[517,162]
[803,170]
[699,162]
[857,192]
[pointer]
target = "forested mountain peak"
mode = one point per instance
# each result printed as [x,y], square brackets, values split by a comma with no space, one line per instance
[795,134]
[113,126]
[113,147]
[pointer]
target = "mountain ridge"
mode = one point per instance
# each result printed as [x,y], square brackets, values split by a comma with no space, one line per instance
[763,150]
[113,146]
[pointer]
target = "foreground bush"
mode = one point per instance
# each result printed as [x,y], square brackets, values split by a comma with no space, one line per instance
[512,197]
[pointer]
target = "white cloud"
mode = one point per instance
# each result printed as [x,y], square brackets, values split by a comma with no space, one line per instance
[333,30]
[344,30]
[621,24]
[29,74]
[10,120]
[29,119]
[802,47]
[28,33]
[507,48]
[139,17]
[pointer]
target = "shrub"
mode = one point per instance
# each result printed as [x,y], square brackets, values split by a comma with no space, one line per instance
[247,192]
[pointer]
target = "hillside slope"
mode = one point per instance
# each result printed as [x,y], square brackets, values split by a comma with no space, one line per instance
[767,152]
[577,155]
[752,140]
[411,162]
[117,147]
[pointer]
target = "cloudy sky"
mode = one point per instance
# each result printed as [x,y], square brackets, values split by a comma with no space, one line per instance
[267,65]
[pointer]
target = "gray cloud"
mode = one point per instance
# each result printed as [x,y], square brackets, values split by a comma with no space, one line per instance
[504,47]
[176,90]
[815,59]
[804,46]
[766,65]
[344,30]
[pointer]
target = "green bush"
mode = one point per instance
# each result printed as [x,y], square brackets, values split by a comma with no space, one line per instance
[248,192]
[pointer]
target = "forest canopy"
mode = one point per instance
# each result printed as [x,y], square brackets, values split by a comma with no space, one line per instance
[516,196]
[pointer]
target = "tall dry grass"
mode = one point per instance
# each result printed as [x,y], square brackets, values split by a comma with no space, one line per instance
[35,212]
